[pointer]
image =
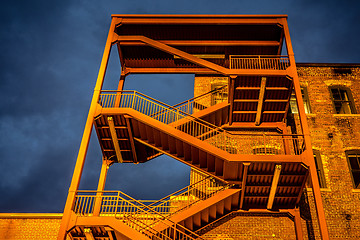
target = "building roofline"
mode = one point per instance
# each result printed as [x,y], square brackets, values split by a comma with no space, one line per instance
[30,215]
[340,65]
[197,16]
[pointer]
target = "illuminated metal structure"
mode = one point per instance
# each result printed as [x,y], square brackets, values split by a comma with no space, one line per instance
[253,160]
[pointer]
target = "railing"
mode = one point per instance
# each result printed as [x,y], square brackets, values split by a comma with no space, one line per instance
[198,128]
[203,101]
[144,215]
[166,114]
[132,212]
[264,144]
[118,203]
[188,196]
[274,62]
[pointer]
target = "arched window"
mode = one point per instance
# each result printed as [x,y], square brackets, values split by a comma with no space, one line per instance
[353,157]
[342,100]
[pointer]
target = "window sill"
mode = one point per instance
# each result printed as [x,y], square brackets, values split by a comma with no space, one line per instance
[355,190]
[346,115]
[323,189]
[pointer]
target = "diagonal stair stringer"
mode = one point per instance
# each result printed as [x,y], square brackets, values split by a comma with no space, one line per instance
[202,212]
[219,160]
[122,229]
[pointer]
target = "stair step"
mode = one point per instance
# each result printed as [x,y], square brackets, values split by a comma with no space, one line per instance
[135,127]
[210,163]
[179,148]
[227,204]
[157,138]
[197,220]
[220,206]
[142,130]
[189,223]
[202,159]
[194,155]
[172,145]
[219,167]
[205,216]
[212,212]
[187,152]
[149,134]
[164,141]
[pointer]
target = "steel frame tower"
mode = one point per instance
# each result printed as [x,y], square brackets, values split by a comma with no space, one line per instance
[253,160]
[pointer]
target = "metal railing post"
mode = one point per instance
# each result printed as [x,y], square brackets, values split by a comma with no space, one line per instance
[264,138]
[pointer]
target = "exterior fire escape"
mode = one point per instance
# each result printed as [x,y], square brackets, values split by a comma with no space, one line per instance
[246,156]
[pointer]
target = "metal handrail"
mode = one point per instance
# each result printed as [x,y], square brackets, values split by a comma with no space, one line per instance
[275,62]
[138,218]
[189,105]
[198,128]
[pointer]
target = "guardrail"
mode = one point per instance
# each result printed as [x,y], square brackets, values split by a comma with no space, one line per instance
[143,215]
[274,62]
[203,101]
[198,128]
[118,203]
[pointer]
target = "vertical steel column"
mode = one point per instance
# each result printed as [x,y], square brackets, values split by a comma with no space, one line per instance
[297,221]
[65,222]
[308,152]
[120,88]
[101,186]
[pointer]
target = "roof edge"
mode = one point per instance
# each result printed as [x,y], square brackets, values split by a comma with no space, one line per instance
[340,65]
[31,215]
[198,16]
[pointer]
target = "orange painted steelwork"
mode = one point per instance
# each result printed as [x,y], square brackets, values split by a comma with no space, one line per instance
[132,127]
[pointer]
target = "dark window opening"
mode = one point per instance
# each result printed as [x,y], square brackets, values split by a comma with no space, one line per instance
[342,100]
[266,151]
[218,96]
[353,157]
[293,104]
[342,70]
[319,169]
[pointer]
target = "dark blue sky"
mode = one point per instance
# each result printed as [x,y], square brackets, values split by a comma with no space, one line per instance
[49,60]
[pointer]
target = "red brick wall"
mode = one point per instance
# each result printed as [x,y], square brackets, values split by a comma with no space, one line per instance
[341,201]
[29,226]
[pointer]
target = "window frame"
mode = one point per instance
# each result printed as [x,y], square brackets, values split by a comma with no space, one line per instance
[319,168]
[306,101]
[215,99]
[351,170]
[350,100]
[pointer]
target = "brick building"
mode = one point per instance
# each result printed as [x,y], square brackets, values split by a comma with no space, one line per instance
[331,101]
[273,146]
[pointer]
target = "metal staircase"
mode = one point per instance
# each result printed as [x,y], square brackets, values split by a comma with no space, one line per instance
[242,140]
[158,219]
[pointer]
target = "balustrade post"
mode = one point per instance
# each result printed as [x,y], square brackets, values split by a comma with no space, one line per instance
[133,101]
[259,63]
[264,138]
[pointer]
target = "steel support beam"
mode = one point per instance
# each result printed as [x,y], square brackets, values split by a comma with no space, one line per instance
[198,61]
[261,101]
[274,185]
[101,186]
[209,43]
[297,220]
[131,138]
[243,184]
[80,161]
[303,121]
[88,234]
[231,97]
[115,139]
